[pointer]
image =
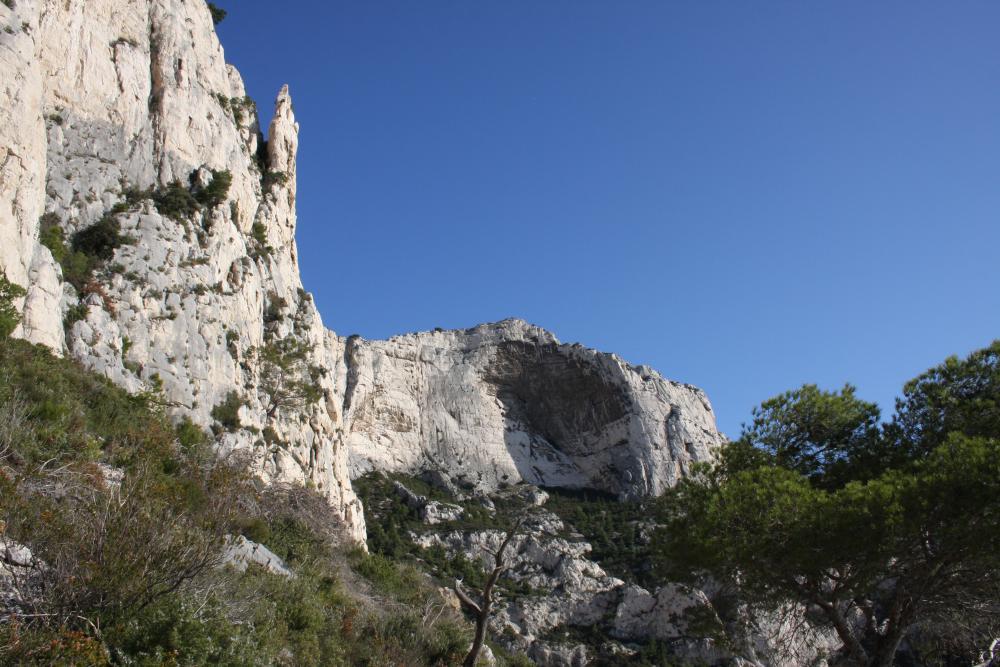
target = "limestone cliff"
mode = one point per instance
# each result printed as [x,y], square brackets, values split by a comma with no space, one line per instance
[507,402]
[105,105]
[124,118]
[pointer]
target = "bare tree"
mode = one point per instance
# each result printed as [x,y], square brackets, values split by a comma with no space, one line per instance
[482,610]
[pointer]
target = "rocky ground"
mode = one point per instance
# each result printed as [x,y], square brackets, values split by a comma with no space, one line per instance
[578,589]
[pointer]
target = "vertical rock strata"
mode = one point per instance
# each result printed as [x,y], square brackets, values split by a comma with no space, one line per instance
[103,96]
[122,111]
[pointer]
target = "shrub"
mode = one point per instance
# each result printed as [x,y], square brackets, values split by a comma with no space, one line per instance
[259,233]
[74,314]
[111,551]
[272,178]
[130,574]
[287,379]
[275,304]
[399,580]
[73,414]
[9,317]
[100,239]
[43,646]
[175,201]
[51,236]
[215,192]
[218,14]
[89,247]
[227,413]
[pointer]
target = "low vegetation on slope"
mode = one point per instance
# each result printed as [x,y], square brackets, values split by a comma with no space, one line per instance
[126,517]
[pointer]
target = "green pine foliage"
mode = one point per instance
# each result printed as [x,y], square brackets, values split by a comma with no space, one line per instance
[226,413]
[9,316]
[894,524]
[218,14]
[87,250]
[215,193]
[616,530]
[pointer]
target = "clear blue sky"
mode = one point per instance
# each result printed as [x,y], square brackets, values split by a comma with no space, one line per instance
[746,196]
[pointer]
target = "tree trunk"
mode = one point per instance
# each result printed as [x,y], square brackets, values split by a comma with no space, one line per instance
[851,642]
[482,612]
[482,621]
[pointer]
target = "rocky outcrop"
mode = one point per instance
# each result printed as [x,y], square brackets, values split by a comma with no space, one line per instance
[507,402]
[431,512]
[241,553]
[106,104]
[552,587]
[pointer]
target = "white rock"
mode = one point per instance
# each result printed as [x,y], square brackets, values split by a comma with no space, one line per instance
[240,553]
[431,512]
[104,94]
[507,402]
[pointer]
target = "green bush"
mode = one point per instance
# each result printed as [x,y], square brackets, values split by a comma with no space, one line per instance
[175,201]
[259,234]
[273,178]
[9,317]
[88,249]
[74,314]
[398,580]
[215,192]
[101,239]
[218,14]
[227,412]
[612,527]
[131,577]
[51,235]
[71,413]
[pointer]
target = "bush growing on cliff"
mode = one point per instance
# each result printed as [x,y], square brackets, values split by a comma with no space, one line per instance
[88,249]
[9,316]
[51,235]
[218,14]
[215,193]
[175,201]
[101,239]
[287,380]
[227,412]
[273,178]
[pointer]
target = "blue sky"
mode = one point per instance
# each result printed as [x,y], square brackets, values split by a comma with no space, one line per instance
[746,196]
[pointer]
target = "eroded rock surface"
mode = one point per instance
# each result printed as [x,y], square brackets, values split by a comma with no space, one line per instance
[507,402]
[103,98]
[553,590]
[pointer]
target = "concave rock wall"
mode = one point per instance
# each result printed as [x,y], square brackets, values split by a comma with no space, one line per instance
[507,402]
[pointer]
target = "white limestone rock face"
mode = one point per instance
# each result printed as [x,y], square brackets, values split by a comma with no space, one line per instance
[22,174]
[101,97]
[507,402]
